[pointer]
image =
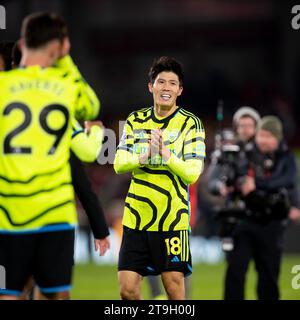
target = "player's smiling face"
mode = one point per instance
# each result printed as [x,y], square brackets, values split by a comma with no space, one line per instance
[165,89]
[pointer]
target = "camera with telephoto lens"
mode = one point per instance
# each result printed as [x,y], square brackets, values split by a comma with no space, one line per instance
[229,161]
[232,164]
[259,206]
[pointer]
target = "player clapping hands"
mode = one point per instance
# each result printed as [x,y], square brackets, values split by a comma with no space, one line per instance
[156,146]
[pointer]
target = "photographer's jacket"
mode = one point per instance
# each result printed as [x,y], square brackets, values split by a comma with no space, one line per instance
[275,178]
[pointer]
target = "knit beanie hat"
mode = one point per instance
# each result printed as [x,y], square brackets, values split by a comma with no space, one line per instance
[245,111]
[273,125]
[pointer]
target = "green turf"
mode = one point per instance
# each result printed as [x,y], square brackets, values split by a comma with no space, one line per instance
[100,282]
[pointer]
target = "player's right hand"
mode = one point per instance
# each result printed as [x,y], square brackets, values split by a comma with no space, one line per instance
[155,142]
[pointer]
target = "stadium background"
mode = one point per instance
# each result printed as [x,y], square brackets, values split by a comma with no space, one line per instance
[244,52]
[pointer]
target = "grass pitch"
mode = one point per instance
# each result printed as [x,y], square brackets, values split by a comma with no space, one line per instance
[94,282]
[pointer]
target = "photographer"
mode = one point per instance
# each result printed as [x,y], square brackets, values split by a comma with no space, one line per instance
[269,194]
[228,165]
[264,182]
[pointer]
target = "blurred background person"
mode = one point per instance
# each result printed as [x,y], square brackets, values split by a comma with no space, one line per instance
[244,123]
[269,193]
[259,200]
[223,173]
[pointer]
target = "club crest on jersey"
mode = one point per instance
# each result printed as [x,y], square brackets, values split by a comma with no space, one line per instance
[141,135]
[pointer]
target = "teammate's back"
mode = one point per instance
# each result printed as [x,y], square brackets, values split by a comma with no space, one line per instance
[36,107]
[37,104]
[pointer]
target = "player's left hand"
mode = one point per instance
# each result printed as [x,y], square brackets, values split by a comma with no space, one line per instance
[102,245]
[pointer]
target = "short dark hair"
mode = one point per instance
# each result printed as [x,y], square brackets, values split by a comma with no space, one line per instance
[5,52]
[40,28]
[165,64]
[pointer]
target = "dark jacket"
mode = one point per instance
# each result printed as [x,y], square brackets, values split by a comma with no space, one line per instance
[274,172]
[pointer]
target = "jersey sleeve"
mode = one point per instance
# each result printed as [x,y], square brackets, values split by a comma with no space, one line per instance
[126,160]
[87,105]
[194,146]
[86,146]
[88,199]
[190,168]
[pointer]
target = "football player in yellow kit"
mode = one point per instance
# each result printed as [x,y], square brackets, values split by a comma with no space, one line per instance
[38,102]
[163,147]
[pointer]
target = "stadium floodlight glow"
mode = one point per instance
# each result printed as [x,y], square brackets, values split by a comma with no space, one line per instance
[2,18]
